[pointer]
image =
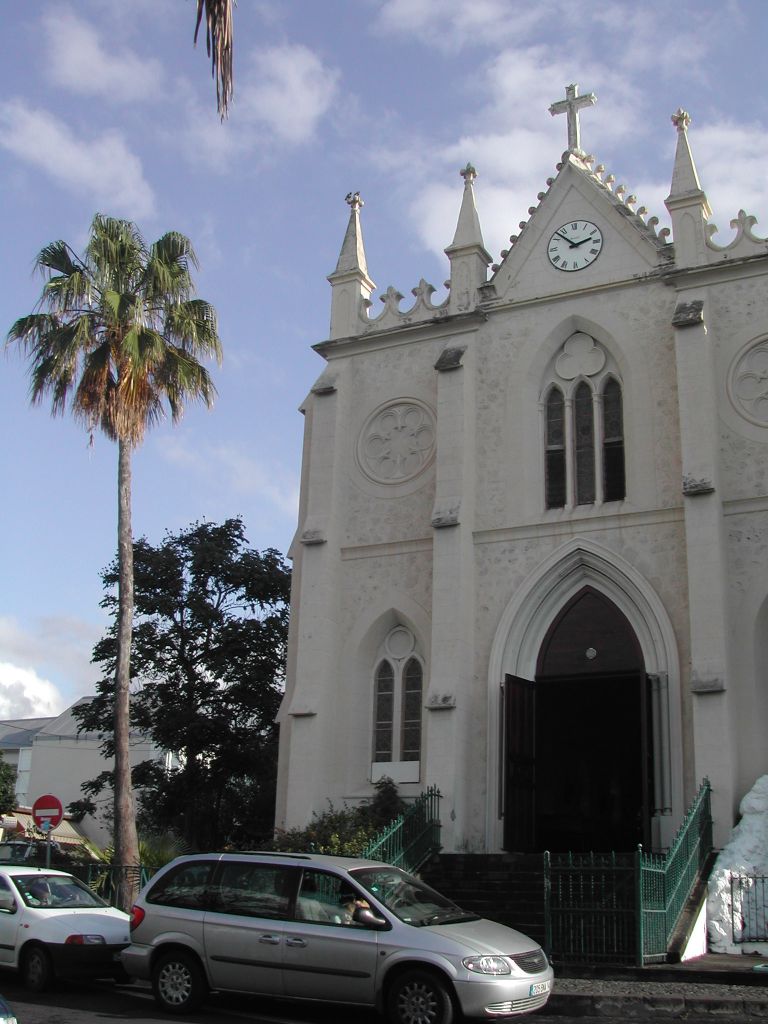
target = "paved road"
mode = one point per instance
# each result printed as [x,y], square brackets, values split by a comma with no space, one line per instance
[98,1003]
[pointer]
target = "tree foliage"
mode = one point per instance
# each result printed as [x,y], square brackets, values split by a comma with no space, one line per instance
[116,338]
[209,646]
[346,831]
[7,787]
[219,40]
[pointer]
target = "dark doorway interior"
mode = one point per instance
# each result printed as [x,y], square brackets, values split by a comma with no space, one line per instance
[577,740]
[589,752]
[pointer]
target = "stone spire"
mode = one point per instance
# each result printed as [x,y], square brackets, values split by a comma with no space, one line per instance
[467,253]
[350,282]
[687,202]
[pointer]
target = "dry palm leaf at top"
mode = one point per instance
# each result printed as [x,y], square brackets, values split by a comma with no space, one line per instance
[218,44]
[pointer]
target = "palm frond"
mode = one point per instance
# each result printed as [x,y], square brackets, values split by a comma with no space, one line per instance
[219,38]
[194,326]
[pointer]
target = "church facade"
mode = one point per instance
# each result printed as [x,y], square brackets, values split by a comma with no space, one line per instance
[531,566]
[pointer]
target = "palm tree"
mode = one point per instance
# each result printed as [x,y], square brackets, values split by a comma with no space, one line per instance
[218,44]
[116,336]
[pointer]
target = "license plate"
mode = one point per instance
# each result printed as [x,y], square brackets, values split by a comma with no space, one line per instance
[540,988]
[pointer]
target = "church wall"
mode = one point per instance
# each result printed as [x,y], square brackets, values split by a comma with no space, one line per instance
[372,512]
[747,536]
[736,313]
[379,592]
[633,324]
[655,548]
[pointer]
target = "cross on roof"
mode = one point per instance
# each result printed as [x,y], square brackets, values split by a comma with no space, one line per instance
[571,106]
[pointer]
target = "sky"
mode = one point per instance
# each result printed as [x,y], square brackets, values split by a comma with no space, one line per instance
[106,107]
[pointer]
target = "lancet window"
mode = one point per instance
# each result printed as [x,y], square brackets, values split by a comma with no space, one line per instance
[583,427]
[397,700]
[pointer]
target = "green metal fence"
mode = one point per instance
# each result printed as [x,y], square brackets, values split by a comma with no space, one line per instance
[749,908]
[621,908]
[412,838]
[666,880]
[591,907]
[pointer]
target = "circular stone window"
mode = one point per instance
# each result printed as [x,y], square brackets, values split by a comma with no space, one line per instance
[400,643]
[748,383]
[397,441]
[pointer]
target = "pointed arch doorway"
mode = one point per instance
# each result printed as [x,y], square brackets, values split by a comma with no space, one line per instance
[578,749]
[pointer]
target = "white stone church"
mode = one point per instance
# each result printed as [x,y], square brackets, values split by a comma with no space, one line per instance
[531,566]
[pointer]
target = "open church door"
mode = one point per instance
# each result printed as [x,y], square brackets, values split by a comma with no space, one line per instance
[519,717]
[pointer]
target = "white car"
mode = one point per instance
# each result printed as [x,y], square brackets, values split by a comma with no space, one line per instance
[52,923]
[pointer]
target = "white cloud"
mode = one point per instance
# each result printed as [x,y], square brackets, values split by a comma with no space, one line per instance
[288,90]
[281,96]
[58,647]
[731,160]
[24,694]
[78,61]
[229,470]
[103,168]
[454,24]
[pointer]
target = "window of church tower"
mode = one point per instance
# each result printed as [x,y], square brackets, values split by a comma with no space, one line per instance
[584,437]
[614,486]
[555,453]
[397,708]
[384,708]
[584,462]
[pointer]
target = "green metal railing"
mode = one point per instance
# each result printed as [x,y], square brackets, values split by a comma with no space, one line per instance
[749,908]
[621,908]
[667,880]
[590,912]
[413,837]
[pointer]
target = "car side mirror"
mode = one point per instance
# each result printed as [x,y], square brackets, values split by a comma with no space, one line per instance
[369,918]
[7,902]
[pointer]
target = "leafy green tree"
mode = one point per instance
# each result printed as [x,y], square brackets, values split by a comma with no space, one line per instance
[7,787]
[117,337]
[210,636]
[219,40]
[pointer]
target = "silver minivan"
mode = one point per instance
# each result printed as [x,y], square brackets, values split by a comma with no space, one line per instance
[336,929]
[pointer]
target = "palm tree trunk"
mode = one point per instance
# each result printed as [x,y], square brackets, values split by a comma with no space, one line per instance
[126,839]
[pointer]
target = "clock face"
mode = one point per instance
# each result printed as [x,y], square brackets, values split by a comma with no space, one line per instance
[575,245]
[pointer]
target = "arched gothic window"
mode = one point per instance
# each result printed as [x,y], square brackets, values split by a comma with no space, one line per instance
[614,485]
[583,427]
[397,703]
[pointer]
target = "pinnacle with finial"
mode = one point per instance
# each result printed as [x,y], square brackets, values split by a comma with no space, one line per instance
[681,119]
[468,173]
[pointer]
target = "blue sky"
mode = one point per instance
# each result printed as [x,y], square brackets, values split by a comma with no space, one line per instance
[106,107]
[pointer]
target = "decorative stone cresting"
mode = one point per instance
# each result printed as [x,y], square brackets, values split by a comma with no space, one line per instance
[397,442]
[748,384]
[422,310]
[742,225]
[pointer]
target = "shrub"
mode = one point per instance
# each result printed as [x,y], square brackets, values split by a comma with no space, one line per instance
[346,832]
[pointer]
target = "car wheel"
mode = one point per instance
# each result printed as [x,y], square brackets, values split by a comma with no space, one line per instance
[37,969]
[178,982]
[419,997]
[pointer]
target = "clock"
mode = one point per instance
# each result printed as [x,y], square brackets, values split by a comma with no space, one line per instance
[575,245]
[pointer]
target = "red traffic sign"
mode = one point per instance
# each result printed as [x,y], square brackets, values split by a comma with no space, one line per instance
[47,811]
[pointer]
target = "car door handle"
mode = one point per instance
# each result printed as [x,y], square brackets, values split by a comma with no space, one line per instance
[295,942]
[270,940]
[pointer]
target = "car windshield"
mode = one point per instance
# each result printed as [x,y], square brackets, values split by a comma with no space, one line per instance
[410,899]
[55,892]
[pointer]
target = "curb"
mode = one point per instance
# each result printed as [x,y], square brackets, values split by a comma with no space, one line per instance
[589,1004]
